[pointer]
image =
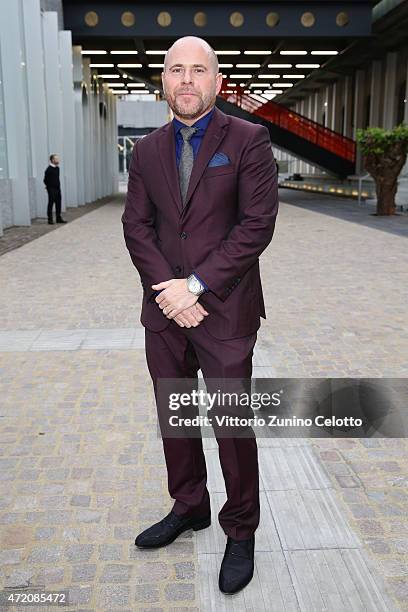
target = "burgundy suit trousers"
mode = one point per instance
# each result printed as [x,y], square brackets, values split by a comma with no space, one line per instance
[179,353]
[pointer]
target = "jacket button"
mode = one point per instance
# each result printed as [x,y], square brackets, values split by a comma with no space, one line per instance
[183,235]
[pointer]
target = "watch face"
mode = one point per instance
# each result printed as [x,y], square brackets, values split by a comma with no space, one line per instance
[194,285]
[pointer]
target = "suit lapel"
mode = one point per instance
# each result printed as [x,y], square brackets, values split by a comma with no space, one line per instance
[166,146]
[212,138]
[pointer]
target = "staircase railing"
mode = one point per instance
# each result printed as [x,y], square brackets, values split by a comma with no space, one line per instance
[293,122]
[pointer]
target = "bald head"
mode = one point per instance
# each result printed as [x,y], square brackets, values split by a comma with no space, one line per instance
[190,77]
[188,46]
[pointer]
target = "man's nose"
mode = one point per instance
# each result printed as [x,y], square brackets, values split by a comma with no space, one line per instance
[187,76]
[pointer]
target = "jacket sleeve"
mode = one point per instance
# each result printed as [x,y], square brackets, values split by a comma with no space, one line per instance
[258,205]
[46,177]
[139,231]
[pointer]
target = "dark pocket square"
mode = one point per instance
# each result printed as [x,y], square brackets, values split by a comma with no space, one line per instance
[219,159]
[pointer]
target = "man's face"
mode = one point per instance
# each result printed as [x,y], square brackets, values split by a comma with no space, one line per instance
[55,160]
[190,82]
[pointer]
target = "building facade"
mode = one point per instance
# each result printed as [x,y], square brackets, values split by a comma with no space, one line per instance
[50,102]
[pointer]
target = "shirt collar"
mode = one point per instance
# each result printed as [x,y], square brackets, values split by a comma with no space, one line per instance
[201,124]
[53,165]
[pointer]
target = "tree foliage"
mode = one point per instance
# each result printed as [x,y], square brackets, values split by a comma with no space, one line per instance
[384,155]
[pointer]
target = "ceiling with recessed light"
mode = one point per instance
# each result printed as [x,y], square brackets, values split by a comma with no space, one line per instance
[266,47]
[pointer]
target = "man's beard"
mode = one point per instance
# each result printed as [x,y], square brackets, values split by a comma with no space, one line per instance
[194,111]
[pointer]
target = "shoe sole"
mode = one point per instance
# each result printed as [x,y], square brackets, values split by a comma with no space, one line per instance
[195,527]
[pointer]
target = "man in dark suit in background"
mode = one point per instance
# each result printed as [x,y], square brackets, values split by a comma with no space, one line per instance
[53,187]
[200,209]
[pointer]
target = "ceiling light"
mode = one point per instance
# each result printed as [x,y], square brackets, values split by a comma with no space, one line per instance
[293,52]
[136,85]
[257,52]
[307,66]
[258,91]
[94,52]
[268,76]
[248,65]
[228,52]
[109,76]
[324,52]
[240,76]
[101,66]
[279,65]
[155,65]
[129,65]
[225,65]
[120,91]
[278,91]
[231,84]
[156,52]
[247,91]
[282,85]
[259,85]
[116,84]
[124,52]
[293,76]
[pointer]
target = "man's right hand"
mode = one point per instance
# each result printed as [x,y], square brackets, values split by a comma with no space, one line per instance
[191,316]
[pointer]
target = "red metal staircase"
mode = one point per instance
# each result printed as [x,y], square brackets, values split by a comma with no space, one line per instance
[293,132]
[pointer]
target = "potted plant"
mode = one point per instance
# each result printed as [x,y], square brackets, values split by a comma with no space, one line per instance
[384,155]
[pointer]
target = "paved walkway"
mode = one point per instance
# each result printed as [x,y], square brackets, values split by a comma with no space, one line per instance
[82,469]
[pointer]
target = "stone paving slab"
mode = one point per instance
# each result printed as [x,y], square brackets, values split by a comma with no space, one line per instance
[285,468]
[71,339]
[336,580]
[309,519]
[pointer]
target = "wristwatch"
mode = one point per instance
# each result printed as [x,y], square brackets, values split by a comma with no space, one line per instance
[194,285]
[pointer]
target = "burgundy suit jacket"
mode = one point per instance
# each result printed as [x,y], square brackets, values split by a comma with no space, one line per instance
[228,220]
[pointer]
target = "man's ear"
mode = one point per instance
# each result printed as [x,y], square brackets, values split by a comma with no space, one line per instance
[219,78]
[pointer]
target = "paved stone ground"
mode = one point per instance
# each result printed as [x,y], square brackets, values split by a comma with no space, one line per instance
[16,236]
[82,468]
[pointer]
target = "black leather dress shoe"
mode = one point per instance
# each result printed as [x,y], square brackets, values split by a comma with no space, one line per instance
[168,529]
[61,220]
[50,222]
[237,567]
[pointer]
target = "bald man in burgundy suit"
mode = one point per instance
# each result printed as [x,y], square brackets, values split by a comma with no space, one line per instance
[200,209]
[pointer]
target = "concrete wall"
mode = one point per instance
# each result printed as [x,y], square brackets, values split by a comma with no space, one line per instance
[140,114]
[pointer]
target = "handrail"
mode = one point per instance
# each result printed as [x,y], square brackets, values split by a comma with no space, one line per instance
[293,122]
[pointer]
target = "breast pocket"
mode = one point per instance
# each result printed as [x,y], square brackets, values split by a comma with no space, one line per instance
[211,171]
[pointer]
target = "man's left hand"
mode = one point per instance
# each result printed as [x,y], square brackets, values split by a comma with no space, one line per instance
[174,297]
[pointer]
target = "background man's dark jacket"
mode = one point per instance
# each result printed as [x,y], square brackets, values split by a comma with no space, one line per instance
[52,178]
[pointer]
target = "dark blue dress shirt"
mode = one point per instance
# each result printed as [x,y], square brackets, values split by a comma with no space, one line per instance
[195,142]
[196,139]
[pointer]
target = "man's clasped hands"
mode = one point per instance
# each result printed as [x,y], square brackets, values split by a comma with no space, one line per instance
[178,303]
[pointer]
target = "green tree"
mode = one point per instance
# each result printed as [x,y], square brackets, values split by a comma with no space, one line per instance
[384,155]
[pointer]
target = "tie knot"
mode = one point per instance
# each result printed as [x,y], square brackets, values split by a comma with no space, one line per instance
[187,133]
